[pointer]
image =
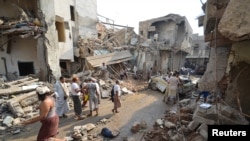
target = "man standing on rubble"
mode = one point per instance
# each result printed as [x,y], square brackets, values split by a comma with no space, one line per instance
[62,95]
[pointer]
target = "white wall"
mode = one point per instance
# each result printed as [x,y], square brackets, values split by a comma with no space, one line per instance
[62,9]
[87,17]
[23,50]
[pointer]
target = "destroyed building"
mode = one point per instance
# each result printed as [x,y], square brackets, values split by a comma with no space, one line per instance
[39,37]
[165,41]
[199,52]
[226,28]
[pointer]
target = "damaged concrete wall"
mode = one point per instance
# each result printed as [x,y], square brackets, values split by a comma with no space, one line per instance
[21,51]
[86,17]
[216,68]
[62,9]
[235,23]
[171,33]
[50,43]
[239,66]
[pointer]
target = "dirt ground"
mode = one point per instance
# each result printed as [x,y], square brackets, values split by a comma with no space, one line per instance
[145,105]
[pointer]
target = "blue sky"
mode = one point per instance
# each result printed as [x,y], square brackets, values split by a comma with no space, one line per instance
[131,12]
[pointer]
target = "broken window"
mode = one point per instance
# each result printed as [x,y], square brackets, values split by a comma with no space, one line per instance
[60,31]
[72,13]
[26,68]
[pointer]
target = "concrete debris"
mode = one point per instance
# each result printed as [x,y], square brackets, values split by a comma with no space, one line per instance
[89,126]
[193,125]
[136,127]
[169,124]
[8,121]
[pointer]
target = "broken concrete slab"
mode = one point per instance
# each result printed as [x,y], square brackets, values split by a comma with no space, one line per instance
[193,125]
[16,109]
[29,101]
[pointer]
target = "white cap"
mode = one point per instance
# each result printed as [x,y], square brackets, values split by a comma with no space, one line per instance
[42,90]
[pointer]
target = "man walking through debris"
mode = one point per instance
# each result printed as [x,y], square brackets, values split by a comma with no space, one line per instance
[62,95]
[173,86]
[117,94]
[93,96]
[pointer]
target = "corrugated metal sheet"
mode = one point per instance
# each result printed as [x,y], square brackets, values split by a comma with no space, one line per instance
[110,58]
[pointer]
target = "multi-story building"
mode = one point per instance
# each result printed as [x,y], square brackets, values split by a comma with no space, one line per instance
[38,37]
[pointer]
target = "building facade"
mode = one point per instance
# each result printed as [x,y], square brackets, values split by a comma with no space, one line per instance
[38,37]
[167,41]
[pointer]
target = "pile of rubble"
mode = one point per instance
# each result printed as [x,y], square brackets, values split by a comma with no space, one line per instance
[18,102]
[25,25]
[86,132]
[191,121]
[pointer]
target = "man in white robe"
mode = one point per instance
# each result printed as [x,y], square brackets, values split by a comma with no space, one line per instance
[62,96]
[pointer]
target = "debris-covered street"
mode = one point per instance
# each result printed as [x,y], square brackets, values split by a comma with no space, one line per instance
[70,73]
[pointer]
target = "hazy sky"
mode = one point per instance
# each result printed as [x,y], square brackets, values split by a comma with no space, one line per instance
[130,12]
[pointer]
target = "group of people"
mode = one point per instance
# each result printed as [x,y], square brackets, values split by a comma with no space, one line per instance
[55,106]
[173,82]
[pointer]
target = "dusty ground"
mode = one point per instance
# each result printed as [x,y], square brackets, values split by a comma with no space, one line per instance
[144,105]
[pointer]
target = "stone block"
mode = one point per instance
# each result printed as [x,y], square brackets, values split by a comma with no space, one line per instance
[193,125]
[8,121]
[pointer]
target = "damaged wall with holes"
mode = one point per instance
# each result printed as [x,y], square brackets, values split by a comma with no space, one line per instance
[20,30]
[230,51]
[167,37]
[37,36]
